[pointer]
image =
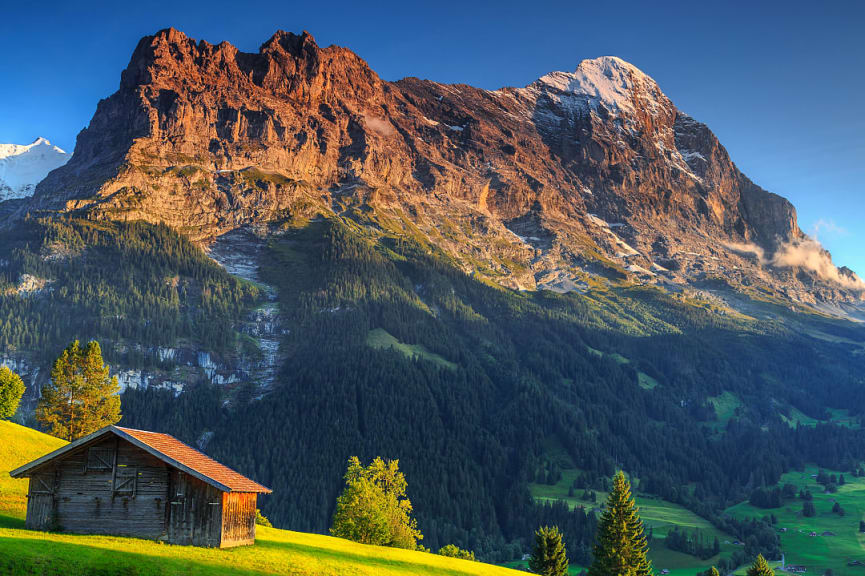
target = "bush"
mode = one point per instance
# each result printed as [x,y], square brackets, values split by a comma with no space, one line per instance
[452,551]
[260,520]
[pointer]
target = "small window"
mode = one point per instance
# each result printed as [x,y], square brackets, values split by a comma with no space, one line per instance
[125,481]
[100,458]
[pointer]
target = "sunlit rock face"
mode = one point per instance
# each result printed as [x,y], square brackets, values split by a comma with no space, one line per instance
[593,172]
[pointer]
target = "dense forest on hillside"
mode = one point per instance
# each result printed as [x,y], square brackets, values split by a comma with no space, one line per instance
[134,283]
[393,351]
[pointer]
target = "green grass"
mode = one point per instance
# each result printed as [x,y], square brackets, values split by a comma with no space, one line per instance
[26,552]
[836,416]
[645,381]
[382,339]
[659,515]
[818,553]
[19,445]
[725,405]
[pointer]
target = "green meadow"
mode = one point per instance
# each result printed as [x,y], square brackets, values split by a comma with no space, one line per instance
[819,552]
[282,552]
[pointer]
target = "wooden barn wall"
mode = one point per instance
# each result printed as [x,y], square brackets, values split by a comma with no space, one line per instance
[88,501]
[195,516]
[238,518]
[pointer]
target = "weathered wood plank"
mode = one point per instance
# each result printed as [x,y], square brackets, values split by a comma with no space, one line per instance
[115,487]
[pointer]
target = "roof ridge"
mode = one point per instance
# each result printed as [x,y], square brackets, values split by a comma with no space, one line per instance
[197,463]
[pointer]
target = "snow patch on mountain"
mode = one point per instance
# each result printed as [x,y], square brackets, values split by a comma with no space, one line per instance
[22,167]
[619,86]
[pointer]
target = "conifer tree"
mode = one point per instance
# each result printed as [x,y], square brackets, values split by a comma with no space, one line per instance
[549,556]
[620,548]
[760,568]
[82,396]
[11,390]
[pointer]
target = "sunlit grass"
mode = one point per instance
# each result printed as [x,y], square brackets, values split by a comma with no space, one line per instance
[278,552]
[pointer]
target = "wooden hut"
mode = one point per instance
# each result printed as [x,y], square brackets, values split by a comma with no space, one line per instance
[127,482]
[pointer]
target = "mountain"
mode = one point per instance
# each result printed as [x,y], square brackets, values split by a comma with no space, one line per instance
[580,174]
[502,289]
[23,167]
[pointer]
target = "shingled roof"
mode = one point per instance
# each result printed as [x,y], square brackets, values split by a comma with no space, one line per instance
[168,449]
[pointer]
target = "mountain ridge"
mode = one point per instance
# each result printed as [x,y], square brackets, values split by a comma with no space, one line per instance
[209,139]
[23,166]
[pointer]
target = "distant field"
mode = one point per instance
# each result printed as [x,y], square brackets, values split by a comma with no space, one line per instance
[837,416]
[280,552]
[382,339]
[644,380]
[725,407]
[819,552]
[659,515]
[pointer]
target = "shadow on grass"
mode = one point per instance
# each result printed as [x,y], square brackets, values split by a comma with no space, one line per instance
[45,557]
[11,522]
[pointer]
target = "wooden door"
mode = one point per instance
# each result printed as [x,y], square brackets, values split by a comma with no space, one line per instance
[40,502]
[179,522]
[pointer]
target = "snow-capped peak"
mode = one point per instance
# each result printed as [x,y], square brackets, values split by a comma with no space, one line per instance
[608,80]
[23,166]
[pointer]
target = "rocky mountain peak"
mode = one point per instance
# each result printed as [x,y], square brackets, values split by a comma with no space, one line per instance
[581,171]
[22,167]
[619,86]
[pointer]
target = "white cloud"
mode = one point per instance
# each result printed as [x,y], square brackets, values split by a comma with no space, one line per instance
[747,248]
[808,253]
[805,253]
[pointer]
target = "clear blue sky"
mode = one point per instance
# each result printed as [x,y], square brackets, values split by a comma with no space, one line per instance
[781,83]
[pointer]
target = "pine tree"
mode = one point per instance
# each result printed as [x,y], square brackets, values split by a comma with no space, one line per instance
[621,547]
[82,397]
[760,568]
[11,390]
[549,556]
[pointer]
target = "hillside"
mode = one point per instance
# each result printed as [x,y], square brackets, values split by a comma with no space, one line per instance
[276,551]
[386,347]
[19,445]
[289,261]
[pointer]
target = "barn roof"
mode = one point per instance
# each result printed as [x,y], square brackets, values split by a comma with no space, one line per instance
[166,448]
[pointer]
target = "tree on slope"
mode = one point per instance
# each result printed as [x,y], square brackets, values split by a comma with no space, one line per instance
[549,556]
[373,507]
[620,548]
[82,396]
[11,391]
[760,568]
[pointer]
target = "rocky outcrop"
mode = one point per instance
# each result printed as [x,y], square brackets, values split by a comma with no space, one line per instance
[580,173]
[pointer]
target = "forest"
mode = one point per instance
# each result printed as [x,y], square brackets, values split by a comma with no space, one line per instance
[482,381]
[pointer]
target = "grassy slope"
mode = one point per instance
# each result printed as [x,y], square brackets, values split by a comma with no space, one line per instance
[19,445]
[275,552]
[381,339]
[818,553]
